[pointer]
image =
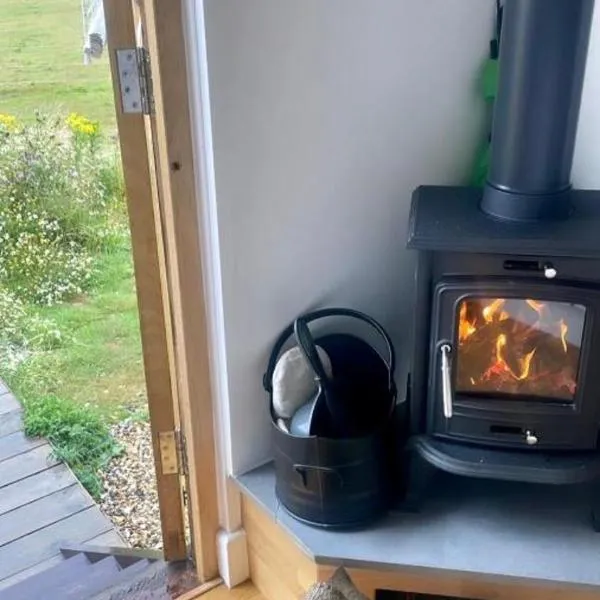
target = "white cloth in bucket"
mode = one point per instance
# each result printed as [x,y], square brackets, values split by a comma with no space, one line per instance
[294,381]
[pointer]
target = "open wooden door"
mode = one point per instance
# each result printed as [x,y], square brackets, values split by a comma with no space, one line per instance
[148,65]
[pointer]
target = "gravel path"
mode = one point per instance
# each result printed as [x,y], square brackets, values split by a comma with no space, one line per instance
[130,499]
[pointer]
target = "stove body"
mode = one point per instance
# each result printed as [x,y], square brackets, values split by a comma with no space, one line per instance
[506,355]
[507,340]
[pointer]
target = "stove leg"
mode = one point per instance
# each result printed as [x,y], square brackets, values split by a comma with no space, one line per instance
[419,474]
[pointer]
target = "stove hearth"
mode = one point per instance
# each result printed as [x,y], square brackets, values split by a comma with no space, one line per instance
[504,375]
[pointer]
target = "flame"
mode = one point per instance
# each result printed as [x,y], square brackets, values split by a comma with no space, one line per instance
[519,357]
[465,327]
[563,334]
[502,365]
[537,306]
[500,343]
[491,309]
[526,365]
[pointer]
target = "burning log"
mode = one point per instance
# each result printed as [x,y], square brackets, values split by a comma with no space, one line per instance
[506,353]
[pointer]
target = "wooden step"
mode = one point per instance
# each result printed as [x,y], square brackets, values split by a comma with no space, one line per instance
[10,422]
[39,586]
[17,443]
[75,578]
[43,512]
[31,571]
[125,556]
[138,583]
[8,403]
[45,543]
[26,464]
[99,576]
[126,575]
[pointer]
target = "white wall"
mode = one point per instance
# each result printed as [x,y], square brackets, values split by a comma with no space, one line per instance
[326,114]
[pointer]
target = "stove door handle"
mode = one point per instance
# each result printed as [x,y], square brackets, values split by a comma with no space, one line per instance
[446,350]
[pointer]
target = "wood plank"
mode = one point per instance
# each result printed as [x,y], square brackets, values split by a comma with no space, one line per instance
[278,566]
[110,539]
[43,512]
[202,589]
[34,487]
[245,591]
[17,443]
[31,571]
[46,542]
[8,403]
[26,464]
[10,422]
[179,208]
[148,257]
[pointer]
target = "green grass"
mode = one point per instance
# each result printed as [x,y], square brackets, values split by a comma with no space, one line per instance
[79,437]
[42,66]
[73,392]
[99,363]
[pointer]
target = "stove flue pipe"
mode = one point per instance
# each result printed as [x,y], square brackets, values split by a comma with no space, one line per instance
[543,54]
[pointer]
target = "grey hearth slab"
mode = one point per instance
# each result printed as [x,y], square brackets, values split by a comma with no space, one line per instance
[484,528]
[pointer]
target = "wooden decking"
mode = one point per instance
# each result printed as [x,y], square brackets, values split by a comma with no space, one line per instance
[42,504]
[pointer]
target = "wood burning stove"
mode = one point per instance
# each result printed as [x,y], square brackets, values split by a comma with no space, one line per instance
[505,376]
[511,353]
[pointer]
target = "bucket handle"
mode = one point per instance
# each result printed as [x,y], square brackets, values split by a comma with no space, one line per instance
[320,314]
[303,469]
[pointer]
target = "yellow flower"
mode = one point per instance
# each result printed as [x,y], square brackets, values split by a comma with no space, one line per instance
[79,125]
[9,122]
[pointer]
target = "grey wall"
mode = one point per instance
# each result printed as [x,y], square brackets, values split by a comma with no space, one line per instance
[586,165]
[326,114]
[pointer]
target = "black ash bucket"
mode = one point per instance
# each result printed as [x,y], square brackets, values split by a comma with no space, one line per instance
[339,480]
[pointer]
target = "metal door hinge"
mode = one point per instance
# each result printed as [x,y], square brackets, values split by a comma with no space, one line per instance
[183,458]
[135,81]
[169,452]
[173,458]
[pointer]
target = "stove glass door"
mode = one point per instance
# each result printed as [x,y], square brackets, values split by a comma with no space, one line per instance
[519,347]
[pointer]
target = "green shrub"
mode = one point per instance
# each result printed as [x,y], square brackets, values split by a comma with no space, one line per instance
[61,198]
[78,435]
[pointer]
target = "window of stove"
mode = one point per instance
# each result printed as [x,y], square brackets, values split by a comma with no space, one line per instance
[519,347]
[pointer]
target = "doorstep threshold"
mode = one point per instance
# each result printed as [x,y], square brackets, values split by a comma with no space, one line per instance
[494,530]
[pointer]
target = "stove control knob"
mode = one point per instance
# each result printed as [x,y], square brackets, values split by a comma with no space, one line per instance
[550,272]
[530,438]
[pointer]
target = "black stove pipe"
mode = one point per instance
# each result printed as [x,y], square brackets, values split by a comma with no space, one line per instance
[543,53]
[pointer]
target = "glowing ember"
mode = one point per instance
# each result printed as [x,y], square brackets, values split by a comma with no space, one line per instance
[563,334]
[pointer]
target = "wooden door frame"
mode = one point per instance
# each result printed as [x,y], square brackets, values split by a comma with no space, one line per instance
[166,243]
